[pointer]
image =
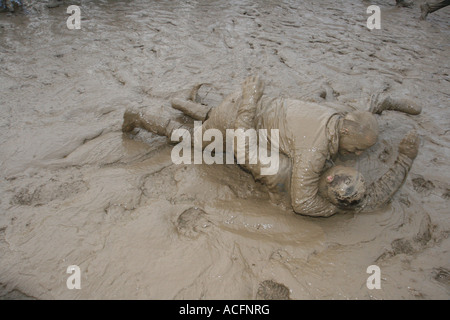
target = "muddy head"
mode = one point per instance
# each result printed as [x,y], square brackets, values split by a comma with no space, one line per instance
[358,132]
[342,186]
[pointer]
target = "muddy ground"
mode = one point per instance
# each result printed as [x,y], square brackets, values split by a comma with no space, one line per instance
[76,191]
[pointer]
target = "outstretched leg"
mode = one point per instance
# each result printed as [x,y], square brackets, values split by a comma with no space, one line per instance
[427,8]
[379,104]
[221,117]
[192,109]
[160,125]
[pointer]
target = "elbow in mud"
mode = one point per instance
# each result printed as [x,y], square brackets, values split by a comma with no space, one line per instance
[313,211]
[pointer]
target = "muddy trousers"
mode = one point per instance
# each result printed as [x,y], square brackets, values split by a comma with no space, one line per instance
[163,125]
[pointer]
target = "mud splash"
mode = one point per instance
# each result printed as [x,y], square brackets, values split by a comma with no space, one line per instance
[76,191]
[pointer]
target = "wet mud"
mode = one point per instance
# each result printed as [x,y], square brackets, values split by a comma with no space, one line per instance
[75,190]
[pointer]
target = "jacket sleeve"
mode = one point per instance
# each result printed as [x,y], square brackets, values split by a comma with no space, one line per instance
[382,190]
[305,196]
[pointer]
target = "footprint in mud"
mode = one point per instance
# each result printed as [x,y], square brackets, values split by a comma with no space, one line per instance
[446,194]
[271,290]
[422,186]
[193,222]
[411,245]
[2,235]
[442,275]
[23,197]
[400,246]
[52,190]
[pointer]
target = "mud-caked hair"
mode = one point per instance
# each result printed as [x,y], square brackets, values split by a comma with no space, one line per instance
[362,124]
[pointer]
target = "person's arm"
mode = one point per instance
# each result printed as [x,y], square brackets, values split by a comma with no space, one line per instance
[252,91]
[383,189]
[305,196]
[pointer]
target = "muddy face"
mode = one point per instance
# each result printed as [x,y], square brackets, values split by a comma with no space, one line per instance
[352,144]
[342,186]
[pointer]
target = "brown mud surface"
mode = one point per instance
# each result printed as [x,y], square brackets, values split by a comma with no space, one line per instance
[76,191]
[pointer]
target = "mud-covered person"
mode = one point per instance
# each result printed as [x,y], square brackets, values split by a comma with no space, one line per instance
[310,137]
[427,7]
[310,132]
[9,5]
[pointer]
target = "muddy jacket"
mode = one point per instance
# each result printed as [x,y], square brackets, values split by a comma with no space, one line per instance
[308,137]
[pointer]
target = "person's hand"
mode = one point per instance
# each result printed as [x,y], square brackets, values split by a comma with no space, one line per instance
[252,88]
[409,146]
